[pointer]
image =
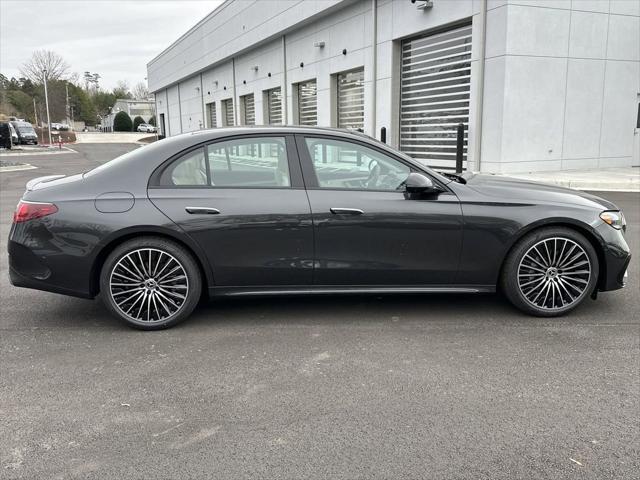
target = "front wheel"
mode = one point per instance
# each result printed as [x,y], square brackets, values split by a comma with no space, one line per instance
[550,272]
[150,283]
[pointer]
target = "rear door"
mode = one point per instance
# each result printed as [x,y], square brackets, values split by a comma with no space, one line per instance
[242,199]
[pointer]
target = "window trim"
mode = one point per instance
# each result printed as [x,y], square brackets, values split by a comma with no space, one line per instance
[296,181]
[311,179]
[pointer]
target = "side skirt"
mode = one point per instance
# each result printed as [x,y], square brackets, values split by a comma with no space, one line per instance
[340,290]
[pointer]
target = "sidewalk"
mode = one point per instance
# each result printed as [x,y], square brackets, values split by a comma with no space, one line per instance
[621,179]
[115,137]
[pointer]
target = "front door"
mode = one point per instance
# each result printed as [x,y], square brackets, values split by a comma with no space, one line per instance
[242,200]
[367,231]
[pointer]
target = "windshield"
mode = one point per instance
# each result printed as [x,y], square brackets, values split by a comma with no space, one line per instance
[26,130]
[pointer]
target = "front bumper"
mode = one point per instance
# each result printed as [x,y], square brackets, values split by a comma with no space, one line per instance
[615,260]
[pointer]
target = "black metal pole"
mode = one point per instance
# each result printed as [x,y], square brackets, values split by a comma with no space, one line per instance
[383,134]
[459,148]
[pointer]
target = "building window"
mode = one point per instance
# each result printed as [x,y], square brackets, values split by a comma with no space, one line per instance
[308,103]
[274,106]
[434,95]
[248,109]
[351,99]
[212,121]
[227,111]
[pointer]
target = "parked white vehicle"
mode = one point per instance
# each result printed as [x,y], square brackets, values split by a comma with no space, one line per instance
[145,127]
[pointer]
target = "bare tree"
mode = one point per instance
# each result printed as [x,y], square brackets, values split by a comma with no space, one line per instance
[140,91]
[44,60]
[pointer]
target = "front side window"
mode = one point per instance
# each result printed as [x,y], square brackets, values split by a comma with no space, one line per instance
[249,162]
[188,170]
[340,165]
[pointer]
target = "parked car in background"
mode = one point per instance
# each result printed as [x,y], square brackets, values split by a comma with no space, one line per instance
[8,136]
[145,127]
[56,126]
[299,210]
[26,133]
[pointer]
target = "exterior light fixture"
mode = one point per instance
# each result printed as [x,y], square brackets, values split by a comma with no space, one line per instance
[425,5]
[254,68]
[319,44]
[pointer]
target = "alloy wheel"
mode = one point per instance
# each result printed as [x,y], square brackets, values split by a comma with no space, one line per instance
[554,273]
[148,285]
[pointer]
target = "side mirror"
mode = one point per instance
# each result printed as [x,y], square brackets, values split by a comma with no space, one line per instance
[419,183]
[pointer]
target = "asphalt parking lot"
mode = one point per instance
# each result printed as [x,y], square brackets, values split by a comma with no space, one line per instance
[424,387]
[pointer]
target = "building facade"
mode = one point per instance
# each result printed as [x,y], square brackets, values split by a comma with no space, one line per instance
[134,108]
[538,85]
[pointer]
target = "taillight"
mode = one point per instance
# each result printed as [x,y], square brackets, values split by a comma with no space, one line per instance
[30,210]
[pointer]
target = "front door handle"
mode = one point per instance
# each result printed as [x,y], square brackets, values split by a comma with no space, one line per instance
[202,211]
[346,211]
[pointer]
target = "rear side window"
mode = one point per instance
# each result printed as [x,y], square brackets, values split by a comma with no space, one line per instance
[252,162]
[188,170]
[259,162]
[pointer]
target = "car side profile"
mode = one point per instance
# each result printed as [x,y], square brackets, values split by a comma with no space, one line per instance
[145,127]
[301,210]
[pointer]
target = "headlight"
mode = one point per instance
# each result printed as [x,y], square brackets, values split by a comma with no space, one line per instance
[615,218]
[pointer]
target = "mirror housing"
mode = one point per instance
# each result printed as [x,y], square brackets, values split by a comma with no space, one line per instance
[419,183]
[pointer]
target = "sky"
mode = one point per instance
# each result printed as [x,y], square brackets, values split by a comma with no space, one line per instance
[115,38]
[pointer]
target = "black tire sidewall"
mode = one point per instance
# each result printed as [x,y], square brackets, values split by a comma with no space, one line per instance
[181,254]
[509,280]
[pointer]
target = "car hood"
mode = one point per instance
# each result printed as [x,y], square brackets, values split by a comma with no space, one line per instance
[521,190]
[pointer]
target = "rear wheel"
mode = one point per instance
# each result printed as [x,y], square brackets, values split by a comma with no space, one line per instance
[150,283]
[550,272]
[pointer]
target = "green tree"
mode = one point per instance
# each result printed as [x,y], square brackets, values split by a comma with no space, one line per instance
[122,122]
[137,121]
[152,120]
[21,102]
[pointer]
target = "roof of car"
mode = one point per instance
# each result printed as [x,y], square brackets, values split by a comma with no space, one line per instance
[221,131]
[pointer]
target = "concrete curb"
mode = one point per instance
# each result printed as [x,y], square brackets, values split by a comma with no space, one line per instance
[17,168]
[53,151]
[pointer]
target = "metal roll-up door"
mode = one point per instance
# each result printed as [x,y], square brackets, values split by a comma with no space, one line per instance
[211,115]
[249,109]
[308,103]
[351,99]
[227,107]
[274,106]
[434,98]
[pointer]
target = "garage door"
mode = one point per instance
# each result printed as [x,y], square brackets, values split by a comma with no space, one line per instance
[274,106]
[308,103]
[227,108]
[351,99]
[249,107]
[211,115]
[436,73]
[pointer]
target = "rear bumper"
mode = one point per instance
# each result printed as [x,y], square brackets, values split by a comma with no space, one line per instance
[49,272]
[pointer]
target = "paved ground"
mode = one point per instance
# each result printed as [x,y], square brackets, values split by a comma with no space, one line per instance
[359,387]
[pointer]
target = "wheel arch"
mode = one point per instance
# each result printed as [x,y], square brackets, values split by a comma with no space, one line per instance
[127,234]
[583,228]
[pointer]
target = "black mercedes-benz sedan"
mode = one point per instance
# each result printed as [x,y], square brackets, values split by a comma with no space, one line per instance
[295,210]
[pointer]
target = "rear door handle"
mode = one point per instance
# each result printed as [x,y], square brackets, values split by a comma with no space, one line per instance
[202,211]
[346,211]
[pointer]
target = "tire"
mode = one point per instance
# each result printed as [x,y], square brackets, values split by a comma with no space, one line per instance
[142,282]
[550,272]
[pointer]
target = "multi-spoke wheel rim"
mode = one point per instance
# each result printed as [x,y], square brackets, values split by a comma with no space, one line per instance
[554,273]
[149,285]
